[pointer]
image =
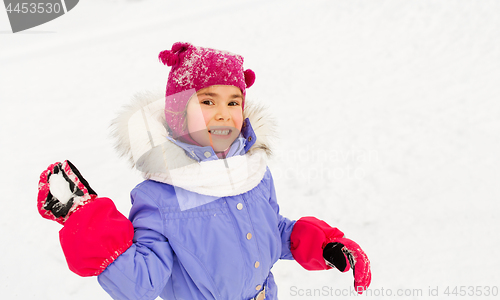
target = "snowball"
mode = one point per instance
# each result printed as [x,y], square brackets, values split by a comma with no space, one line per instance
[59,188]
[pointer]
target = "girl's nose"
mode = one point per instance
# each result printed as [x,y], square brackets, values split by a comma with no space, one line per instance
[222,114]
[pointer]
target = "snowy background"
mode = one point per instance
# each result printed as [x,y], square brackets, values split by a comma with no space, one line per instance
[389,128]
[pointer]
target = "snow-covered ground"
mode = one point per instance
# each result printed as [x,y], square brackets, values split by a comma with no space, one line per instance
[389,128]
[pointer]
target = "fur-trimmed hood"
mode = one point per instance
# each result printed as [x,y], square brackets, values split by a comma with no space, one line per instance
[140,133]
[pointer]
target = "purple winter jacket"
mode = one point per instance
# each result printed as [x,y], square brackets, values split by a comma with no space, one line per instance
[221,250]
[222,247]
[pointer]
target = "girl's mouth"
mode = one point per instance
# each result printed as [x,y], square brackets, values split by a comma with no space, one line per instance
[220,131]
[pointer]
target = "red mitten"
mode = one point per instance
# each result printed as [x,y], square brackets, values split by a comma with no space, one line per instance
[344,253]
[61,191]
[315,245]
[95,236]
[95,233]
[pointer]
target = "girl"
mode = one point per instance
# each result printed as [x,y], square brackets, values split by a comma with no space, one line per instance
[205,223]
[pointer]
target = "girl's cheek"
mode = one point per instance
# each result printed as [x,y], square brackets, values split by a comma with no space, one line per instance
[196,119]
[238,120]
[206,117]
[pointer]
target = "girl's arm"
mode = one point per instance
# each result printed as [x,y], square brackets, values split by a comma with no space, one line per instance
[315,245]
[132,257]
[285,225]
[142,271]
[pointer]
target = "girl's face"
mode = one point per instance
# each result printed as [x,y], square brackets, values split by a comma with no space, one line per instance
[215,116]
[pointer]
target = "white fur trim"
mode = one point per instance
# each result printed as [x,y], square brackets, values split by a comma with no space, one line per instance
[140,131]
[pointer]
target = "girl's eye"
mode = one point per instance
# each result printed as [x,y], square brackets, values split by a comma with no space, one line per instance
[207,102]
[233,103]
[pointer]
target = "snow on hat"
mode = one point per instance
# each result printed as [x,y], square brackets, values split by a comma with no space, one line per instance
[195,68]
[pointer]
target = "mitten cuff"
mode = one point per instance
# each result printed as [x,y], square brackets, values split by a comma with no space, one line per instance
[309,236]
[95,236]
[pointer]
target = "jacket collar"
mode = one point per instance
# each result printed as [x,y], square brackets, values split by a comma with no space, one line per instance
[142,136]
[240,146]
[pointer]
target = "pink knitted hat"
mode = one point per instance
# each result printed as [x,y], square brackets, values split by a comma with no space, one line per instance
[195,68]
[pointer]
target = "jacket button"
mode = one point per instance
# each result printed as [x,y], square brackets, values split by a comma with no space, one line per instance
[257,264]
[249,138]
[239,206]
[207,154]
[258,287]
[249,236]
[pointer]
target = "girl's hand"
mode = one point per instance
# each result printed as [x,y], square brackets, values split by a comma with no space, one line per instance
[344,254]
[95,233]
[61,191]
[315,245]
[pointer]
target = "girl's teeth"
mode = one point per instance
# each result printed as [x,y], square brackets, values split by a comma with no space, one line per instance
[220,132]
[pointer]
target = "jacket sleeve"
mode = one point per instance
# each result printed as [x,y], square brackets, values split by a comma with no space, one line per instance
[285,226]
[143,270]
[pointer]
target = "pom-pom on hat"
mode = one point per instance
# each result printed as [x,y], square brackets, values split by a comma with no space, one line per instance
[195,68]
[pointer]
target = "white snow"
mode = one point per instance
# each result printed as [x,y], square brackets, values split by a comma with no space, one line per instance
[59,188]
[411,86]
